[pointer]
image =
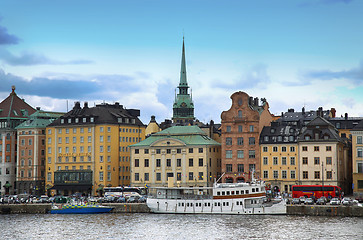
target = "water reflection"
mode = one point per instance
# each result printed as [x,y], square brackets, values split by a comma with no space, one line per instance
[160,226]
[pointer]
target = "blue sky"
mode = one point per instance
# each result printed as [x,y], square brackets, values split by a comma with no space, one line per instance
[293,53]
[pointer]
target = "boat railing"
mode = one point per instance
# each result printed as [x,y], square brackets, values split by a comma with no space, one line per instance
[181,197]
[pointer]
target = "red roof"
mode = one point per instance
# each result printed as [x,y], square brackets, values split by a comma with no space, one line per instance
[15,107]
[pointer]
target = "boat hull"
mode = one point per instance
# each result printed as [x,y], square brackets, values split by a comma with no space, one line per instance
[213,206]
[81,210]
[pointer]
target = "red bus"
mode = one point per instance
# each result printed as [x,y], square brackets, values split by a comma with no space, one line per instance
[315,191]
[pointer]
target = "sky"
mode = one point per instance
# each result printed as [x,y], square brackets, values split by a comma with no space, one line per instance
[294,53]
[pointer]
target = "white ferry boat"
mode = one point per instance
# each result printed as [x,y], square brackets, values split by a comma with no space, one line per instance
[222,198]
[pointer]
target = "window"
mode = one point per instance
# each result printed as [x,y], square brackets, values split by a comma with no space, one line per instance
[316,148]
[359,139]
[146,151]
[292,174]
[228,167]
[284,174]
[178,176]
[265,160]
[283,160]
[228,153]
[200,150]
[239,128]
[275,160]
[329,175]
[283,149]
[251,141]
[252,167]
[265,149]
[168,162]
[67,139]
[359,166]
[178,150]
[101,138]
[292,149]
[328,160]
[101,158]
[292,160]
[101,176]
[276,174]
[265,174]
[101,148]
[316,160]
[200,176]
[191,176]
[178,162]
[136,162]
[239,113]
[137,177]
[359,152]
[304,160]
[240,141]
[240,168]
[251,153]
[251,128]
[317,175]
[305,148]
[158,162]
[146,162]
[190,162]
[328,148]
[200,162]
[228,141]
[190,150]
[275,149]
[228,129]
[305,175]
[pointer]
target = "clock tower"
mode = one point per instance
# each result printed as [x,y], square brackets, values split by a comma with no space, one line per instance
[183,107]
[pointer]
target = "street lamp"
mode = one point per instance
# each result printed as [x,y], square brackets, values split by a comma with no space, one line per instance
[322,176]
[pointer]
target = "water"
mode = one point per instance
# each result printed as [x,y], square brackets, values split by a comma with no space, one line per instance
[169,226]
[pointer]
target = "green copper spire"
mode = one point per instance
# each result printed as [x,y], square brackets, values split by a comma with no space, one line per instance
[183,108]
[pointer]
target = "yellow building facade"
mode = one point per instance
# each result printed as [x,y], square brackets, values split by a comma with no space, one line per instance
[87,148]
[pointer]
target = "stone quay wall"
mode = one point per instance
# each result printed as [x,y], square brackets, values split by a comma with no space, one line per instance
[325,210]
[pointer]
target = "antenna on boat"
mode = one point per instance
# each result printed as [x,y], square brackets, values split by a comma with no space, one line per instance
[220,177]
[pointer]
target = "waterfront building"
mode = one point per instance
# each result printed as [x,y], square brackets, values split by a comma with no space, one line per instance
[241,126]
[88,148]
[13,111]
[30,177]
[357,154]
[183,107]
[323,156]
[177,156]
[279,156]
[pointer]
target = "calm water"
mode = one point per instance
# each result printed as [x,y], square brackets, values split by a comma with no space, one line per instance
[159,226]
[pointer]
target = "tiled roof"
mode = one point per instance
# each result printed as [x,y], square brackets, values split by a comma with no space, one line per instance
[14,107]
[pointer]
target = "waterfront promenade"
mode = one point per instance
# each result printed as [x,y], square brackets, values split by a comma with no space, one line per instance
[305,210]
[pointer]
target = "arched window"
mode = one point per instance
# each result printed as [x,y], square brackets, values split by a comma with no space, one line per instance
[239,113]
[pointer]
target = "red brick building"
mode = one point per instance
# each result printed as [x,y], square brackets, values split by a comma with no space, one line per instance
[241,126]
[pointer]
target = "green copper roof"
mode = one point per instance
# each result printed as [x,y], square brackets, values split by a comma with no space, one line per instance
[190,135]
[39,119]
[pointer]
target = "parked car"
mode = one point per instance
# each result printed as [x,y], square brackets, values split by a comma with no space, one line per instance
[142,199]
[322,201]
[309,201]
[295,201]
[121,200]
[133,199]
[347,201]
[335,201]
[302,199]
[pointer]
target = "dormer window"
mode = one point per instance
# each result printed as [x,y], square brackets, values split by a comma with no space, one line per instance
[133,121]
[92,119]
[272,130]
[307,137]
[62,120]
[84,120]
[126,120]
[119,120]
[266,138]
[279,138]
[77,120]
[69,120]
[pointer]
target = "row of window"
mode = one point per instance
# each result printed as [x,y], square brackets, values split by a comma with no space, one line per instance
[168,162]
[81,139]
[275,160]
[179,176]
[240,168]
[329,175]
[178,150]
[279,138]
[240,128]
[275,174]
[276,149]
[316,148]
[237,192]
[81,130]
[240,154]
[6,149]
[7,171]
[251,141]
[305,160]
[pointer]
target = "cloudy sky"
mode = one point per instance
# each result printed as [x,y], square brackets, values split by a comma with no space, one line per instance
[293,53]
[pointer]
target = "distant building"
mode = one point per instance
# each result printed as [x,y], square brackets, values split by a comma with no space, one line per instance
[323,156]
[279,156]
[13,111]
[183,107]
[177,156]
[88,148]
[241,126]
[357,165]
[30,177]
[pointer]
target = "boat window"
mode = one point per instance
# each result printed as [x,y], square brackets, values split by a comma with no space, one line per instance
[218,193]
[228,193]
[191,204]
[182,204]
[179,204]
[256,189]
[205,204]
[187,204]
[224,204]
[215,204]
[219,204]
[240,203]
[237,192]
[237,203]
[262,189]
[242,192]
[208,204]
[247,191]
[232,193]
[223,193]
[253,190]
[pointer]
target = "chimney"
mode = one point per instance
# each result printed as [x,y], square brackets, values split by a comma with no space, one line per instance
[320,112]
[303,110]
[85,105]
[250,100]
[346,116]
[291,110]
[38,108]
[333,111]
[77,105]
[256,101]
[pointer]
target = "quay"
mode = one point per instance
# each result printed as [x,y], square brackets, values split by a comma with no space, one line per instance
[301,210]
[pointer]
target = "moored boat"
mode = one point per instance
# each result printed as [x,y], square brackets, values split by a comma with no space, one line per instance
[223,198]
[79,209]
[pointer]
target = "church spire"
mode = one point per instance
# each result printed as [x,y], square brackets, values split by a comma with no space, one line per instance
[183,70]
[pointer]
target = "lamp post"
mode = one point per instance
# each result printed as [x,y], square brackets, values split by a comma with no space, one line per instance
[322,176]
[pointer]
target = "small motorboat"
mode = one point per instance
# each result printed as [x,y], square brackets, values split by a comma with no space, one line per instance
[80,209]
